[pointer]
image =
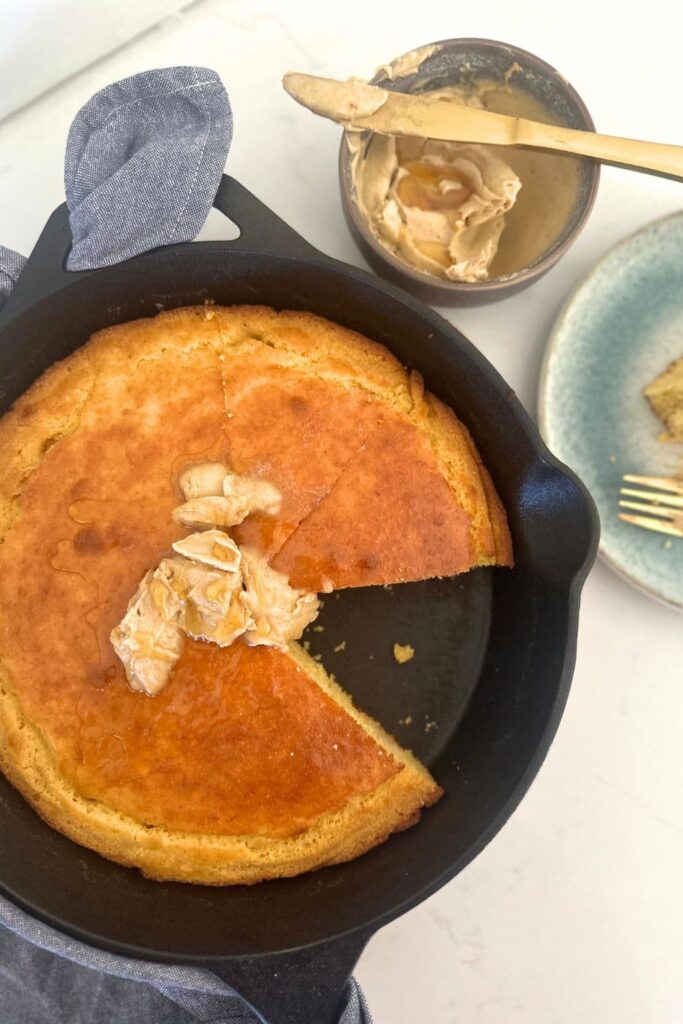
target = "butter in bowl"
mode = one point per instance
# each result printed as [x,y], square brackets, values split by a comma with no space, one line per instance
[465,223]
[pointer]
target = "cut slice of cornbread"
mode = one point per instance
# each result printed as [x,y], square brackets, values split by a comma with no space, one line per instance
[665,395]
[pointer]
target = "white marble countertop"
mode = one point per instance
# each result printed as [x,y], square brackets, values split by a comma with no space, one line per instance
[575,911]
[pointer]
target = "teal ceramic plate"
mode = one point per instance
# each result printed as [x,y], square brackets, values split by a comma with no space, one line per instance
[618,330]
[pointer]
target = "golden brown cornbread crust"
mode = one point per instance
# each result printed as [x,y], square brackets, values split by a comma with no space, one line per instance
[52,409]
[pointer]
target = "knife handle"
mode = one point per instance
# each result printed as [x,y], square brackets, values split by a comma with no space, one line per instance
[653,157]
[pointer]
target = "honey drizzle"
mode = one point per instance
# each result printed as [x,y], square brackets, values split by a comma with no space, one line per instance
[212,452]
[91,585]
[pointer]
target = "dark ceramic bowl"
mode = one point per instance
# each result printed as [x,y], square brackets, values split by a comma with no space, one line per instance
[452,62]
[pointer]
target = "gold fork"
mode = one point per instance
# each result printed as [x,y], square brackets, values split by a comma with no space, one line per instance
[663,506]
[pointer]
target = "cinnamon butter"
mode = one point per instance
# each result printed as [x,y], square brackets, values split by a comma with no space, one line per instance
[210,590]
[444,204]
[461,211]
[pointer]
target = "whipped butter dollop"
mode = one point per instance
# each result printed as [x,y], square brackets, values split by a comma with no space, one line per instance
[213,606]
[214,496]
[278,611]
[210,589]
[440,205]
[149,640]
[212,547]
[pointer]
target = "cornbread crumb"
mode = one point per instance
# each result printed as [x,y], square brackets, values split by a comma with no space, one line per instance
[403,653]
[318,629]
[430,725]
[408,720]
[340,647]
[612,457]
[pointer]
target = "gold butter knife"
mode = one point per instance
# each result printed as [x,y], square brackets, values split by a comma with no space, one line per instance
[361,107]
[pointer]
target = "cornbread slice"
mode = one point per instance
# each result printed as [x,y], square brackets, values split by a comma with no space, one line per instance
[363,456]
[294,776]
[665,395]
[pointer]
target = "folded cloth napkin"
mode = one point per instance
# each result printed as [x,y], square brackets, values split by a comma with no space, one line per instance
[11,265]
[143,162]
[43,980]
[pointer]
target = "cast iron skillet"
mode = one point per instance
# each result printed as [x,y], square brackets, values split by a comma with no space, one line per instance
[494,649]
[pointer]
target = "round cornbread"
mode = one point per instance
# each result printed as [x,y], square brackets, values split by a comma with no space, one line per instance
[252,763]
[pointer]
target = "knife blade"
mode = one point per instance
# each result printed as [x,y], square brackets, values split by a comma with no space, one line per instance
[360,107]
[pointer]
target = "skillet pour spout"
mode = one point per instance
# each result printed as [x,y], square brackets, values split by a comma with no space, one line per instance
[496,646]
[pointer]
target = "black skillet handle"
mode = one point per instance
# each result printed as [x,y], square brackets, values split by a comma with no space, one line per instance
[306,987]
[261,230]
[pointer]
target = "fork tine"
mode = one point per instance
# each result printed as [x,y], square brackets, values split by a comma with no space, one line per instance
[651,524]
[658,497]
[653,510]
[666,483]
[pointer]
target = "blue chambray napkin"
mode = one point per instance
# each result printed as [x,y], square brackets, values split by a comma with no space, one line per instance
[143,162]
[11,265]
[47,977]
